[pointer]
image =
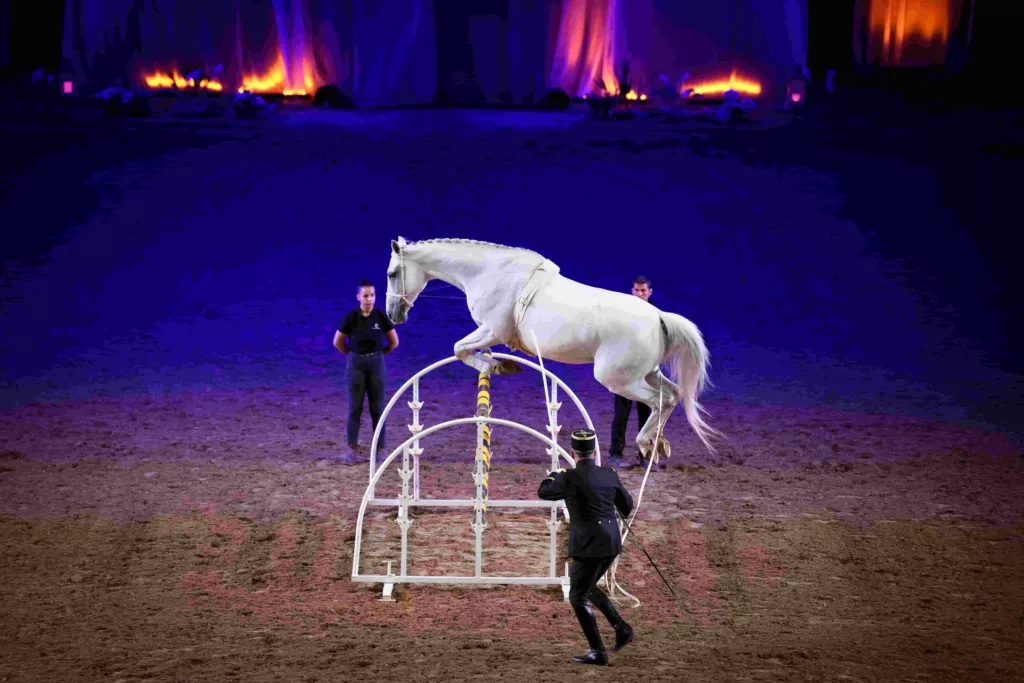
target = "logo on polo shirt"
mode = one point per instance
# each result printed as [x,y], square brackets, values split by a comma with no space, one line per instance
[376,326]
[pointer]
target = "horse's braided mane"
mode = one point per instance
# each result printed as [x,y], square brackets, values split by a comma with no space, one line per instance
[457,240]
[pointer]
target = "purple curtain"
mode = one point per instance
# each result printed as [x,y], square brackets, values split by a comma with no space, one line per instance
[5,38]
[760,40]
[382,52]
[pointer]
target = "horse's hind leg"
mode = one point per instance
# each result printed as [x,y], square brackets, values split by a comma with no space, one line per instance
[663,390]
[651,388]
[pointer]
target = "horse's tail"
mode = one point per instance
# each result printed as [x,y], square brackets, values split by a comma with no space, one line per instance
[688,359]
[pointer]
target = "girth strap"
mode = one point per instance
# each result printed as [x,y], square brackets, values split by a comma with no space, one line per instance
[542,275]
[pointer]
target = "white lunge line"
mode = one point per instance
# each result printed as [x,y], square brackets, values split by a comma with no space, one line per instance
[543,378]
[612,583]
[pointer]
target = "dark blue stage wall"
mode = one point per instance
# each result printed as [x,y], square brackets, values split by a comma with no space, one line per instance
[402,52]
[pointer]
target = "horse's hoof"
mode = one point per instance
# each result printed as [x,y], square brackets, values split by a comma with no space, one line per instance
[507,367]
[664,449]
[645,449]
[478,364]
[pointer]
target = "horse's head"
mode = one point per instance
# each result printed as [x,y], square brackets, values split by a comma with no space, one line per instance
[406,280]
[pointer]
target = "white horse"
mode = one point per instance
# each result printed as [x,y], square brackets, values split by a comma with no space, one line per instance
[519,299]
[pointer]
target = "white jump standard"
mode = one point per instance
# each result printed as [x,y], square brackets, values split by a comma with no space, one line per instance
[409,497]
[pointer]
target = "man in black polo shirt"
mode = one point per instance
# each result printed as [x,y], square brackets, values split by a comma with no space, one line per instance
[592,494]
[365,335]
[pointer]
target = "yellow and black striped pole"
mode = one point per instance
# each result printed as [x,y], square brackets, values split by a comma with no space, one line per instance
[483,450]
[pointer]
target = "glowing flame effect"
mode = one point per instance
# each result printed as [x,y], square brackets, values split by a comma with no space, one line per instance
[293,72]
[744,86]
[631,96]
[162,79]
[902,22]
[276,80]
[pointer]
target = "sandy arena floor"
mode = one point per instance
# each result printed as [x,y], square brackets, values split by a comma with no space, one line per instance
[172,505]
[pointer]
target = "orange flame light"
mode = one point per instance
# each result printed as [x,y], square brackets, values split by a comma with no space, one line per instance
[277,80]
[631,96]
[161,79]
[717,87]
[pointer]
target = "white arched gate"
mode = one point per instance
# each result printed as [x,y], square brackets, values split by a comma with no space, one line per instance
[409,497]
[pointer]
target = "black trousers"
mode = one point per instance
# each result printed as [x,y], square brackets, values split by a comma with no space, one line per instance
[364,377]
[623,407]
[584,573]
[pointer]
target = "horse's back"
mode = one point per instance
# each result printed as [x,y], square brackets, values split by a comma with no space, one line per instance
[577,319]
[630,322]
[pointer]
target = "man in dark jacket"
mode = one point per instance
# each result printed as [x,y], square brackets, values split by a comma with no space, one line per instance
[592,494]
[642,289]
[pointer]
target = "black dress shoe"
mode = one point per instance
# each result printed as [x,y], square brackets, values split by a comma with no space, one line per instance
[623,637]
[592,657]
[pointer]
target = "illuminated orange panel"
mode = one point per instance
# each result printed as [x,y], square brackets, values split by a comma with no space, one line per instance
[901,26]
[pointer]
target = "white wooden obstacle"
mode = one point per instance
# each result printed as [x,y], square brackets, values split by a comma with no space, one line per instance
[409,497]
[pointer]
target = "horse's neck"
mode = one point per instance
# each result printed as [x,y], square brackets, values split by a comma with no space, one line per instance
[464,266]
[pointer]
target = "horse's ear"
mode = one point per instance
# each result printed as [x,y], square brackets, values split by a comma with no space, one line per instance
[401,242]
[395,247]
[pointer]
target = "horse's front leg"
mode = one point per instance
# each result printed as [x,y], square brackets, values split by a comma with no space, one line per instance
[482,338]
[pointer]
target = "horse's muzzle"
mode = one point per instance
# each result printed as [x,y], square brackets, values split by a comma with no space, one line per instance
[397,312]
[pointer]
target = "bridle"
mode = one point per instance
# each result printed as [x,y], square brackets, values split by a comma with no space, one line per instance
[401,269]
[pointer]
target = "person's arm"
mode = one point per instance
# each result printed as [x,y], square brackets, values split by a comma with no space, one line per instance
[340,343]
[389,331]
[553,488]
[344,330]
[392,341]
[623,501]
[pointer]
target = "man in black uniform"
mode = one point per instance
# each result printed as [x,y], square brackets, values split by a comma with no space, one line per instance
[365,335]
[592,494]
[642,289]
